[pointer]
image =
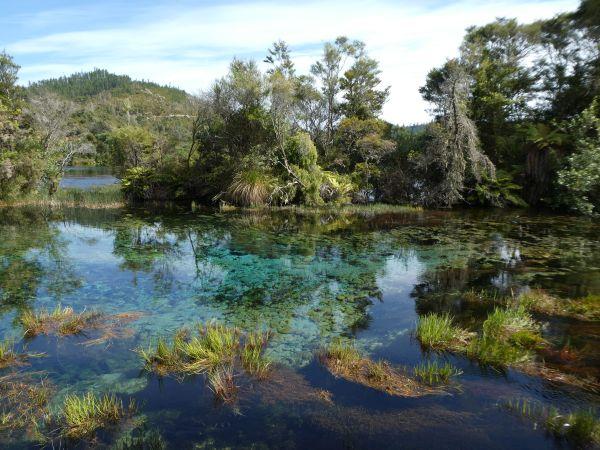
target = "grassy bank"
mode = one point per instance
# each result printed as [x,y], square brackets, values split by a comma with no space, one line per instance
[95,197]
[335,209]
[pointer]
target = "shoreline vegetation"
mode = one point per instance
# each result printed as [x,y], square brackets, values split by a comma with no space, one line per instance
[112,197]
[505,130]
[99,197]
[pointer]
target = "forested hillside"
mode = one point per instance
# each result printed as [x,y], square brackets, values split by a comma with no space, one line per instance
[515,122]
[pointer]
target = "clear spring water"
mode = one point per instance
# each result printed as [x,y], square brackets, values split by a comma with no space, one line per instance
[310,279]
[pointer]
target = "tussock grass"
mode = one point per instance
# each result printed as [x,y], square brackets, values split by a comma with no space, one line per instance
[504,323]
[432,373]
[343,360]
[251,187]
[81,416]
[509,337]
[438,332]
[215,350]
[580,428]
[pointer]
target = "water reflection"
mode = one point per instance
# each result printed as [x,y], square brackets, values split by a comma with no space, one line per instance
[310,278]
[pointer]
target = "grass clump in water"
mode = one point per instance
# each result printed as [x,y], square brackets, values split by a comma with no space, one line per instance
[437,332]
[432,373]
[212,346]
[537,300]
[221,380]
[514,326]
[580,428]
[218,351]
[253,355]
[82,416]
[9,356]
[62,321]
[343,360]
[508,337]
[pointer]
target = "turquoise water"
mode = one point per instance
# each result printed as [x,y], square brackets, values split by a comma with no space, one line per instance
[310,279]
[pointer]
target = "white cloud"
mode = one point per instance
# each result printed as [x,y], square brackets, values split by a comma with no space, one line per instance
[189,48]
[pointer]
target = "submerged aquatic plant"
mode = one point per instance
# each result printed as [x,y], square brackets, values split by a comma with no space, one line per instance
[23,402]
[343,360]
[141,439]
[497,353]
[82,415]
[580,427]
[437,332]
[433,373]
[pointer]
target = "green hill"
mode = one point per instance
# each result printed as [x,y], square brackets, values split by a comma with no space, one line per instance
[84,85]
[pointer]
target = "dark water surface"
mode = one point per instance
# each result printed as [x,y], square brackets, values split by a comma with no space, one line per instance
[310,279]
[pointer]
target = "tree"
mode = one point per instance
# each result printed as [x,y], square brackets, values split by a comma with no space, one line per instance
[360,84]
[328,71]
[10,102]
[280,60]
[495,57]
[581,176]
[131,146]
[21,164]
[453,153]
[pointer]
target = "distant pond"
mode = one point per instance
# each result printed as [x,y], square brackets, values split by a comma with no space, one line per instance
[311,279]
[82,177]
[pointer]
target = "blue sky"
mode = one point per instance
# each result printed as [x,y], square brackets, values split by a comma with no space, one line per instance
[188,43]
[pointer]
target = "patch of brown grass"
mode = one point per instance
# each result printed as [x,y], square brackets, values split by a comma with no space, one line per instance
[10,357]
[66,322]
[23,402]
[345,362]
